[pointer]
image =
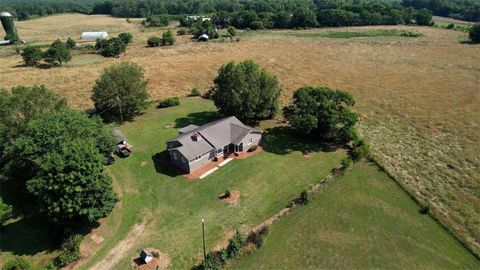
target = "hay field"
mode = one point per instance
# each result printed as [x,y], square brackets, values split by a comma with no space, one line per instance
[419,98]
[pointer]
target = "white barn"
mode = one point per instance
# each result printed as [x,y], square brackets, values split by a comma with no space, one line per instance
[94,35]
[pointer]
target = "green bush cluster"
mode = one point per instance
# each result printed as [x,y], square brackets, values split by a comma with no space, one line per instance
[18,263]
[111,47]
[167,39]
[57,54]
[195,92]
[474,33]
[360,150]
[70,251]
[156,21]
[253,148]
[258,237]
[169,102]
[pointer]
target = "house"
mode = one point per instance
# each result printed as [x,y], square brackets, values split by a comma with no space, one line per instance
[197,146]
[146,256]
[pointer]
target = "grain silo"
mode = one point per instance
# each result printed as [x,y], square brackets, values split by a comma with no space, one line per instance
[9,26]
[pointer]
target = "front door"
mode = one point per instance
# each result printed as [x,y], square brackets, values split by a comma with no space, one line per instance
[240,147]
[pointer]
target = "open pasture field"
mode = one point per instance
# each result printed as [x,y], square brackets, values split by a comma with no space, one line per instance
[374,227]
[418,97]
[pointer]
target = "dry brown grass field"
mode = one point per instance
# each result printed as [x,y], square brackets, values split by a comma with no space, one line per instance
[419,98]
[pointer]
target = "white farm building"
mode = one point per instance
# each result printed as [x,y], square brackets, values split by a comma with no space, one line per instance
[94,35]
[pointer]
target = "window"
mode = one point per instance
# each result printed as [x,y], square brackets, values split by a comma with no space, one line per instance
[174,155]
[219,151]
[250,141]
[184,160]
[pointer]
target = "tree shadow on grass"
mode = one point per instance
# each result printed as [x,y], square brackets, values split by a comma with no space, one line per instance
[197,118]
[163,164]
[28,232]
[284,140]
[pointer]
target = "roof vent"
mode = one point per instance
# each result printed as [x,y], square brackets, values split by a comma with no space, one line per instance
[196,137]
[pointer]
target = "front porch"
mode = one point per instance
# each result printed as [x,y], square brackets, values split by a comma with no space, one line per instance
[218,161]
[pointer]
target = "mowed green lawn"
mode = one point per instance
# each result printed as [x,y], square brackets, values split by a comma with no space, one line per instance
[361,221]
[172,206]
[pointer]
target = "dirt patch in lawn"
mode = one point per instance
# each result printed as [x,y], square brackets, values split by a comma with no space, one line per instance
[143,163]
[223,243]
[233,199]
[118,252]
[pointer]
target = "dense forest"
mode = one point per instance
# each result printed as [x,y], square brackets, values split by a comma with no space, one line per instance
[356,11]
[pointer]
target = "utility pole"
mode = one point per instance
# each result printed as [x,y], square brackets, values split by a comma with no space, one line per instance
[120,107]
[203,236]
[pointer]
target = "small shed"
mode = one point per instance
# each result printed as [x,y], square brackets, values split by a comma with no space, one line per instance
[203,37]
[94,35]
[146,256]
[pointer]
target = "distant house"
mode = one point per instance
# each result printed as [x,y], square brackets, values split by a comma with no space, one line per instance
[196,146]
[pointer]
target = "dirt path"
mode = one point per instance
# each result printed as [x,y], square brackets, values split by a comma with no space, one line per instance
[118,252]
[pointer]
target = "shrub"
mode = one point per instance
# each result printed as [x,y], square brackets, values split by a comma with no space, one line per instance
[474,33]
[450,26]
[70,251]
[168,102]
[126,37]
[253,148]
[154,41]
[5,211]
[168,38]
[17,263]
[234,245]
[156,21]
[195,92]
[303,198]
[70,44]
[213,261]
[257,238]
[208,94]
[360,150]
[232,31]
[181,32]
[346,162]
[424,209]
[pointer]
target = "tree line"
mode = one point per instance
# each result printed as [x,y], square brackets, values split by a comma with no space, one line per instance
[253,14]
[468,10]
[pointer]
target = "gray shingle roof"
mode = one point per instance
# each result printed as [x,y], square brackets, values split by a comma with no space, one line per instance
[214,135]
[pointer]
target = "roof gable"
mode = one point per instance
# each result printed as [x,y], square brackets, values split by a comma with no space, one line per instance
[214,135]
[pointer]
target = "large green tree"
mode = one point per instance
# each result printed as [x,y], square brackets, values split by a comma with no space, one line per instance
[49,133]
[246,91]
[121,91]
[23,104]
[61,156]
[323,111]
[57,53]
[32,55]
